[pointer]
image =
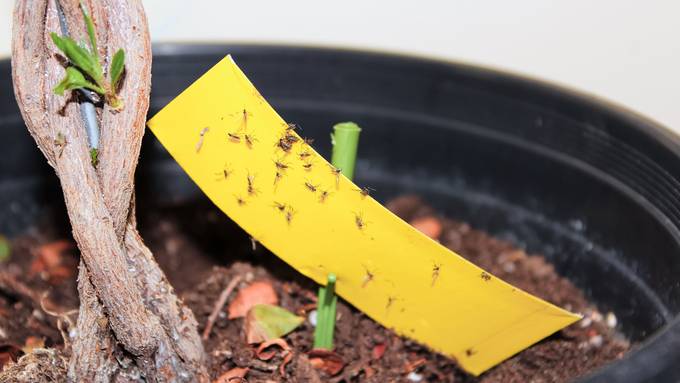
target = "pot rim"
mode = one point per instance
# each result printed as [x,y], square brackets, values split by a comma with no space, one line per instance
[655,357]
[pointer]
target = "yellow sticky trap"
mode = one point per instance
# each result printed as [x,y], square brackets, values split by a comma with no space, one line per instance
[229,140]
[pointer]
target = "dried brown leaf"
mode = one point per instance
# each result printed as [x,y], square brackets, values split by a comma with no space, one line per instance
[263,353]
[236,374]
[378,351]
[327,361]
[261,292]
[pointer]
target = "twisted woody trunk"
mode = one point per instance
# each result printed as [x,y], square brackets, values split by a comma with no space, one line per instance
[131,326]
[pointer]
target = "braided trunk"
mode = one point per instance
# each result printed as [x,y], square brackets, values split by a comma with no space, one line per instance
[131,326]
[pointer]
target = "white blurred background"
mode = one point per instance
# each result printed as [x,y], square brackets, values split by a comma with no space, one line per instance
[624,51]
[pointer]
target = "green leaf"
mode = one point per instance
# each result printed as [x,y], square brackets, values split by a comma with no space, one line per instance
[74,80]
[5,249]
[94,157]
[265,322]
[79,56]
[58,41]
[91,32]
[116,69]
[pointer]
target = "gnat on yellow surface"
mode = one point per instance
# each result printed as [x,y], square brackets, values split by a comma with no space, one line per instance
[255,168]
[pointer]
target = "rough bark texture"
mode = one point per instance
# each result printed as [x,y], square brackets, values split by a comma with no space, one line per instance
[131,325]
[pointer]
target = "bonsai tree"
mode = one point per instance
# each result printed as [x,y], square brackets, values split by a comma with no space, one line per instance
[131,326]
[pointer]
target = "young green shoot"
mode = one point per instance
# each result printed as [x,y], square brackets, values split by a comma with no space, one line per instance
[345,140]
[325,315]
[85,70]
[5,249]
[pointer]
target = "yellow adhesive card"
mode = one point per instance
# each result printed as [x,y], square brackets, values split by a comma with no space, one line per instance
[229,140]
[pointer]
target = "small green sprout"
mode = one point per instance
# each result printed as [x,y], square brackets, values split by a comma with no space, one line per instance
[5,249]
[86,70]
[94,157]
[325,315]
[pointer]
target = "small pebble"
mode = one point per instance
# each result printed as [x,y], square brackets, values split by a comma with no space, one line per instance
[509,267]
[414,377]
[312,317]
[249,276]
[611,320]
[596,341]
[585,322]
[38,314]
[596,316]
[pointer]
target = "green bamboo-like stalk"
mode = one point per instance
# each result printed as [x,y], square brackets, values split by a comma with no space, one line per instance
[325,315]
[345,140]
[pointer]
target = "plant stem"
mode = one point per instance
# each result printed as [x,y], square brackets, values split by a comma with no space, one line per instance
[325,315]
[345,140]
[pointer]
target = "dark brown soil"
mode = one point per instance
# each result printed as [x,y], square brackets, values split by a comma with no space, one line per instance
[201,251]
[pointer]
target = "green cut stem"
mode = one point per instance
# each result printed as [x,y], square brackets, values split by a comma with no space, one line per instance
[345,140]
[325,315]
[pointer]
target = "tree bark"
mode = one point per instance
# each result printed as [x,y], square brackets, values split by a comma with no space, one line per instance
[131,326]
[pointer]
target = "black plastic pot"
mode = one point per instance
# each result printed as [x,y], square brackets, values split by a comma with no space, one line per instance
[594,188]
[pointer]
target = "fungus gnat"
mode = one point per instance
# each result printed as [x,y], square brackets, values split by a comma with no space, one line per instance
[289,215]
[233,137]
[311,187]
[281,165]
[359,221]
[290,138]
[250,140]
[365,191]
[244,117]
[435,272]
[323,195]
[251,185]
[223,174]
[277,177]
[280,206]
[240,201]
[336,173]
[485,276]
[367,278]
[284,145]
[201,137]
